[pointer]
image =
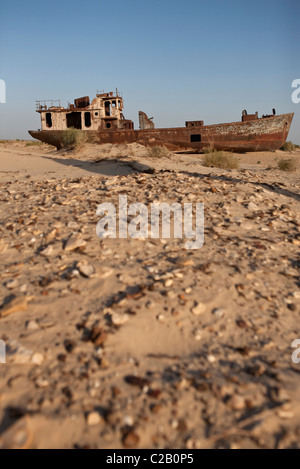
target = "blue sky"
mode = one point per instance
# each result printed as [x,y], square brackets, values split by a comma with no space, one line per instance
[176,60]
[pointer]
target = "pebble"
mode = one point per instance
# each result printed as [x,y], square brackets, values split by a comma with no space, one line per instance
[236,402]
[198,309]
[130,439]
[211,358]
[104,272]
[118,319]
[18,354]
[12,284]
[47,251]
[161,318]
[32,325]
[168,283]
[85,269]
[218,312]
[93,418]
[3,247]
[14,306]
[252,206]
[286,414]
[74,243]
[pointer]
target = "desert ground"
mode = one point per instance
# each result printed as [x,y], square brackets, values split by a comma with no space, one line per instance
[141,343]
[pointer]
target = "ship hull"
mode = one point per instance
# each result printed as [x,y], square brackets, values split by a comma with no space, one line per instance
[265,134]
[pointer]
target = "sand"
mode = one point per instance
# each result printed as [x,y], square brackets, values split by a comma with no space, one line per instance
[140,343]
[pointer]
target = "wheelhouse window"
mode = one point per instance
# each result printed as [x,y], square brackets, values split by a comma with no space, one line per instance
[87,119]
[48,119]
[74,120]
[107,108]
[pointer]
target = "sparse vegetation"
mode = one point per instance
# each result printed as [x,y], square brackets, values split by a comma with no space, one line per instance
[73,139]
[158,152]
[33,144]
[287,165]
[289,146]
[220,159]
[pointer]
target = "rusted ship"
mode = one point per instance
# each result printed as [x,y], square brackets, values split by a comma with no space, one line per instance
[102,121]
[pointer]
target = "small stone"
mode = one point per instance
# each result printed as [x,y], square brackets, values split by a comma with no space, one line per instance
[137,381]
[130,439]
[13,306]
[93,418]
[286,414]
[85,269]
[47,251]
[37,359]
[104,272]
[218,312]
[74,243]
[12,284]
[3,247]
[72,224]
[156,408]
[252,206]
[168,283]
[211,358]
[98,336]
[69,345]
[32,326]
[161,318]
[198,309]
[118,319]
[41,383]
[236,402]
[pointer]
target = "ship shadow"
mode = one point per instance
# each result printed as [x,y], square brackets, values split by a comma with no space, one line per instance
[117,166]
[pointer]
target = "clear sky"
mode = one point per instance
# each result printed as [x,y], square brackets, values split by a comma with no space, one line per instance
[176,60]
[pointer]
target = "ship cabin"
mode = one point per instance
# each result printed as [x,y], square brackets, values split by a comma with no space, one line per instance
[103,113]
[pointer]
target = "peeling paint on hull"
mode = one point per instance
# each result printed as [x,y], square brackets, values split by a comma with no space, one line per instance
[265,134]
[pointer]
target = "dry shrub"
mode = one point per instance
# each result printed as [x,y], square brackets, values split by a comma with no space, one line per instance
[73,139]
[220,159]
[158,152]
[289,146]
[287,165]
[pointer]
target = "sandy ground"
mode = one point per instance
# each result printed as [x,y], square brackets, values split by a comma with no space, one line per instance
[140,343]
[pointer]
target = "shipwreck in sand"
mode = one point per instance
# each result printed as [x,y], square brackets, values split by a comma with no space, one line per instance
[102,121]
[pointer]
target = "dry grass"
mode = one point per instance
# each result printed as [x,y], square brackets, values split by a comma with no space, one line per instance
[289,146]
[287,165]
[33,144]
[220,159]
[158,152]
[73,139]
